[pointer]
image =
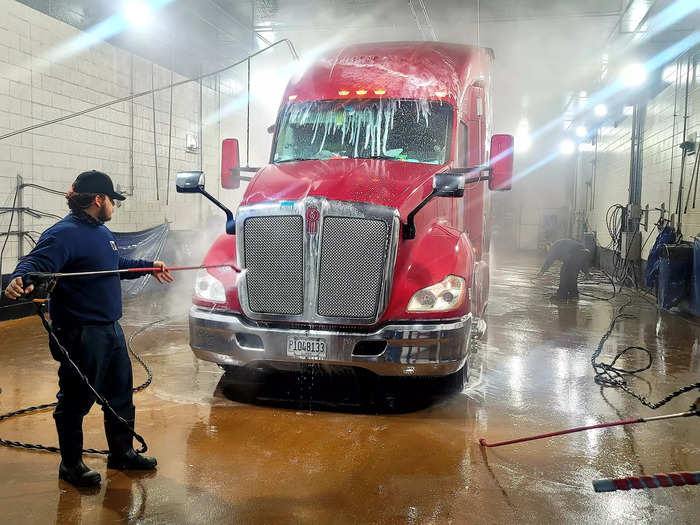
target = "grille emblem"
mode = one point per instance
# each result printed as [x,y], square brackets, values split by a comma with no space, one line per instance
[312,217]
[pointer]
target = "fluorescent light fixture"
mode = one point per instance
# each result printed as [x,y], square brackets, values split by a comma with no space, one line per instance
[137,13]
[581,131]
[600,110]
[567,147]
[634,75]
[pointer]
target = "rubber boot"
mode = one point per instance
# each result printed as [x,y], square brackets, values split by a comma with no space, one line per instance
[70,440]
[122,455]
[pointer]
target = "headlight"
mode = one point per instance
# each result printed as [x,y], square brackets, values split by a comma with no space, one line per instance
[440,297]
[209,288]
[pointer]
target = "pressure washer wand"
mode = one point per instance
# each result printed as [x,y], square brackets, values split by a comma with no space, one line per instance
[131,270]
[694,411]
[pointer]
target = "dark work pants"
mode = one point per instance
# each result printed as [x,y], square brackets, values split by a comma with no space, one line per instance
[568,275]
[101,354]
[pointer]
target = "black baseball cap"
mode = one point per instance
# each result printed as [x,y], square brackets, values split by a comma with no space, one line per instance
[94,181]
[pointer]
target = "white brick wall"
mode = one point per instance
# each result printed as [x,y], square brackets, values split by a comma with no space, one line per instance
[661,159]
[610,181]
[39,83]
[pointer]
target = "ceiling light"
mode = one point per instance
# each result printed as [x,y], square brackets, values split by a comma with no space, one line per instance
[581,131]
[600,110]
[522,142]
[634,75]
[628,110]
[567,147]
[137,13]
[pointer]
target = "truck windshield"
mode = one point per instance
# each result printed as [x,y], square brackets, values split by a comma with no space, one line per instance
[406,130]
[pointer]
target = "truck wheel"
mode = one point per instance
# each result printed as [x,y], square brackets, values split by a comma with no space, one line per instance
[461,378]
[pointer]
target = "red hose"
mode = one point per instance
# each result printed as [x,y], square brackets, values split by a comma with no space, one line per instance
[483,442]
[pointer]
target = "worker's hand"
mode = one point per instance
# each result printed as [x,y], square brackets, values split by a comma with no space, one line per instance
[16,288]
[163,276]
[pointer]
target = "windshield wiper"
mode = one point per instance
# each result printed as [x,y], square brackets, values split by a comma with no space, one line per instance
[293,159]
[380,157]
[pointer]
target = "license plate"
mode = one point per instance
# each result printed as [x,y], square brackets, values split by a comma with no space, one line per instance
[306,347]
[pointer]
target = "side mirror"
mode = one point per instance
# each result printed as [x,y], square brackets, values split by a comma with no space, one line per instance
[190,182]
[501,163]
[230,165]
[193,182]
[448,185]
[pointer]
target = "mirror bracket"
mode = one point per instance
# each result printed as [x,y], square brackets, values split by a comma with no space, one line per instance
[445,184]
[230,221]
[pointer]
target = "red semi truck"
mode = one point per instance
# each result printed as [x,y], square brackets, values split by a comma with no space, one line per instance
[365,241]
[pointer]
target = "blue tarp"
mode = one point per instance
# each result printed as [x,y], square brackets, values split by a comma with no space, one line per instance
[675,270]
[695,282]
[666,236]
[145,244]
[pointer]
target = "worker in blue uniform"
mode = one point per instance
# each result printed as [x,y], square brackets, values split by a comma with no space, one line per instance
[85,313]
[575,258]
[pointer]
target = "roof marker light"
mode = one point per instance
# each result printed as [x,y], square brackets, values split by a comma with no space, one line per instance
[343,92]
[361,91]
[380,91]
[441,94]
[292,97]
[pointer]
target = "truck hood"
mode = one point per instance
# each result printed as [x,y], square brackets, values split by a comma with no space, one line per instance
[400,185]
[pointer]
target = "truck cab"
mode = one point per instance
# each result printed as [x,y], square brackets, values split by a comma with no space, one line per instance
[365,240]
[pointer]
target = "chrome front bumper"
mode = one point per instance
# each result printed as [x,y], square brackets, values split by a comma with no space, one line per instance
[427,349]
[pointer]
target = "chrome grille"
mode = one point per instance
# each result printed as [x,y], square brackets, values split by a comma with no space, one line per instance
[353,255]
[274,259]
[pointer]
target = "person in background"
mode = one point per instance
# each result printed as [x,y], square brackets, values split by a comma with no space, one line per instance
[85,313]
[575,258]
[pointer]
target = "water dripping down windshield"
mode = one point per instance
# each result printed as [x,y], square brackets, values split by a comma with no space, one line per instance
[405,130]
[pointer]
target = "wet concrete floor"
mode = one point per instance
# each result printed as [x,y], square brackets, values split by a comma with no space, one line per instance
[319,448]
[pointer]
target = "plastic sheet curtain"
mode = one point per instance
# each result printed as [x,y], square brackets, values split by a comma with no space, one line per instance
[145,244]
